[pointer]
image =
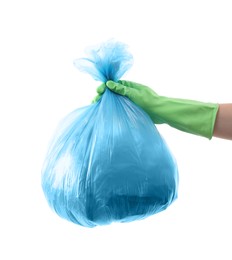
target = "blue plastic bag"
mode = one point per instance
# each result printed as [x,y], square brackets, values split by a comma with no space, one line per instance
[107,162]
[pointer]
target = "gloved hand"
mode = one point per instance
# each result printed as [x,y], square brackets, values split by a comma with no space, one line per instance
[186,115]
[100,91]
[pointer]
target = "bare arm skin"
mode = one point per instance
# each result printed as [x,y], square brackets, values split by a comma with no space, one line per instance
[223,124]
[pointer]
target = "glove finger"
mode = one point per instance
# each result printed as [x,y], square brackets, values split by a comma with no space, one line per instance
[101,89]
[96,99]
[133,85]
[126,83]
[117,88]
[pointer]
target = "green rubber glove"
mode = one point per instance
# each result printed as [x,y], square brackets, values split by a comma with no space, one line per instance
[100,91]
[186,115]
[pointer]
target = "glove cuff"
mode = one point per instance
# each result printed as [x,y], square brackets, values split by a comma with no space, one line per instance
[186,115]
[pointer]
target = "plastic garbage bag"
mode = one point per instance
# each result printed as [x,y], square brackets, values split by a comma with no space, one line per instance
[107,161]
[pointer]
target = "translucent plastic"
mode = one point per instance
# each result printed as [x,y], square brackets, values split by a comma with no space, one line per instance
[108,61]
[107,161]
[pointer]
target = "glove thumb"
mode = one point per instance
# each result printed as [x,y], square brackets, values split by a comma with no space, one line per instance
[117,88]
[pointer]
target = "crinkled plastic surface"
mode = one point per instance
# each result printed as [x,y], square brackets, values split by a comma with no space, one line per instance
[108,61]
[107,161]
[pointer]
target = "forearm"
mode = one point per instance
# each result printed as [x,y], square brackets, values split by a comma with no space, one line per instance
[199,118]
[223,124]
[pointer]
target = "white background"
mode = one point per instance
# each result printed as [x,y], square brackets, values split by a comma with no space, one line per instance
[181,49]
